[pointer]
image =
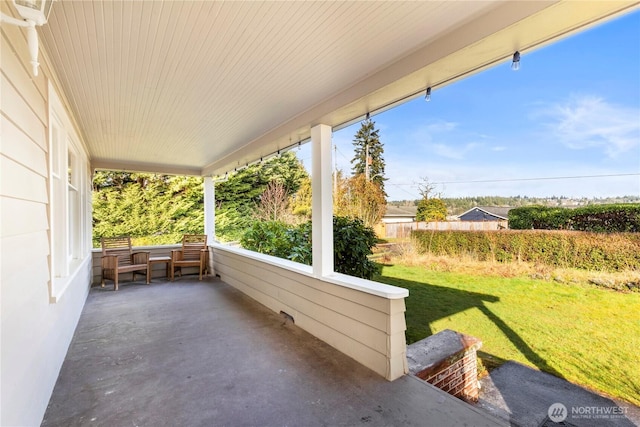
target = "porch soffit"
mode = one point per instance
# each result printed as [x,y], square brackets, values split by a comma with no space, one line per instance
[201,87]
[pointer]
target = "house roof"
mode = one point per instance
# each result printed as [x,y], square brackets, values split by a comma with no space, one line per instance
[401,211]
[203,87]
[497,211]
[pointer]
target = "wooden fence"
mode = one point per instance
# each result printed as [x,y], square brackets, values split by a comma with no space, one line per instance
[403,229]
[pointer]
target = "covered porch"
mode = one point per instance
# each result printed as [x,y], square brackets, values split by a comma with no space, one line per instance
[205,88]
[362,319]
[203,353]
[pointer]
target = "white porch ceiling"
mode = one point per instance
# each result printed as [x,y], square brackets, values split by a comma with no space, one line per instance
[198,87]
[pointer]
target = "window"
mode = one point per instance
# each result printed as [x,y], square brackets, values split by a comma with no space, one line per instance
[58,201]
[73,205]
[68,202]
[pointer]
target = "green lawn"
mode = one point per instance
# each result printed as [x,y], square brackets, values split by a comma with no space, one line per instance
[587,335]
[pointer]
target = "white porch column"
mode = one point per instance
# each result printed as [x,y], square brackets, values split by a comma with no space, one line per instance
[322,201]
[209,209]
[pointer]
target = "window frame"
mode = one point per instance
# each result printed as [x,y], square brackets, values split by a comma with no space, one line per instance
[69,200]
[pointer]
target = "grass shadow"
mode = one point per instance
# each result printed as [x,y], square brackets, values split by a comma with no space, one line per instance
[524,348]
[428,303]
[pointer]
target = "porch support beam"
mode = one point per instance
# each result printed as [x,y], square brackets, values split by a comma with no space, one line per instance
[322,201]
[209,209]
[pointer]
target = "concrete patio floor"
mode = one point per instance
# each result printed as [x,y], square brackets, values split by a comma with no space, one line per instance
[192,353]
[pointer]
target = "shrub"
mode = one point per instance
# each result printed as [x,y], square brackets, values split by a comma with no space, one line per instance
[352,244]
[267,237]
[607,218]
[618,218]
[567,249]
[352,241]
[300,243]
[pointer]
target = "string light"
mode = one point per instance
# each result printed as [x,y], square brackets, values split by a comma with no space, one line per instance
[515,64]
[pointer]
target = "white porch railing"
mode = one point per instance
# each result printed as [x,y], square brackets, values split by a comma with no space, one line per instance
[361,318]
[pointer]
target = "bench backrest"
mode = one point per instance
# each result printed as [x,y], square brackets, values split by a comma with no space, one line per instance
[119,246]
[192,245]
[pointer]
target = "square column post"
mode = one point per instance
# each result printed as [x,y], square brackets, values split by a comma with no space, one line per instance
[322,201]
[209,209]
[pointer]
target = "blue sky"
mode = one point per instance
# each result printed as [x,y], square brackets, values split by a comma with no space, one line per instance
[573,109]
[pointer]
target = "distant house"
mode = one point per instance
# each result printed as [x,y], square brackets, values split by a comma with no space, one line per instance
[485,213]
[400,214]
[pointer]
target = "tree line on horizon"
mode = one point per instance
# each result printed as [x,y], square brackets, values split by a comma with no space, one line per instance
[458,205]
[158,209]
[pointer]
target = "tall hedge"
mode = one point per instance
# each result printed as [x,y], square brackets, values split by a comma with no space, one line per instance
[152,209]
[617,218]
[566,249]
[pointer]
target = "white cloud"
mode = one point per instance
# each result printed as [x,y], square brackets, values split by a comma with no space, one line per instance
[588,121]
[441,126]
[425,132]
[451,151]
[447,151]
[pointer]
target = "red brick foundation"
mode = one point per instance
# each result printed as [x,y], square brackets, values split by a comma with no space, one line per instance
[448,361]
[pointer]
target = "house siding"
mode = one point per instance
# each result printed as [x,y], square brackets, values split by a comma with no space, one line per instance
[36,329]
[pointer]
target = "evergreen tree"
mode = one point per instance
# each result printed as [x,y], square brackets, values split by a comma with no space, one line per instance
[367,139]
[159,209]
[152,209]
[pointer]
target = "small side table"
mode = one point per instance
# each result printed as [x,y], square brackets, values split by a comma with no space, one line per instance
[158,260]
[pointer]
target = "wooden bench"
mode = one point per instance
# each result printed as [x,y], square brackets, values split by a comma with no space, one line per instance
[194,253]
[117,257]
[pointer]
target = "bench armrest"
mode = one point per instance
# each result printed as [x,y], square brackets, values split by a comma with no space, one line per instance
[176,254]
[141,257]
[109,261]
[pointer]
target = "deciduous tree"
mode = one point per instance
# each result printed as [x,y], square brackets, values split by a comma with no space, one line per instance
[358,198]
[431,207]
[300,202]
[237,197]
[431,210]
[274,203]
